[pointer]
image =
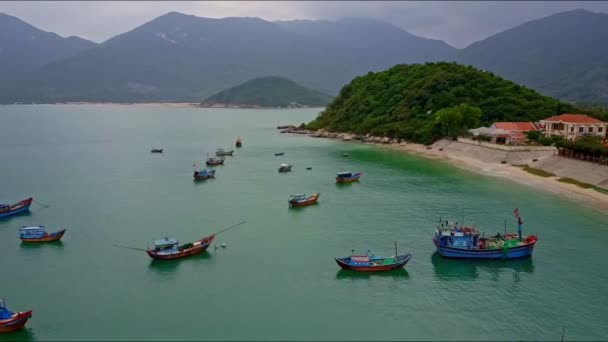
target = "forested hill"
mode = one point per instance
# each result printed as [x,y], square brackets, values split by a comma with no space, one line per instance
[422,102]
[270,92]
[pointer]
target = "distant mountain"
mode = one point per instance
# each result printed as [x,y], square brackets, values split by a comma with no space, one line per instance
[24,47]
[564,55]
[178,57]
[269,92]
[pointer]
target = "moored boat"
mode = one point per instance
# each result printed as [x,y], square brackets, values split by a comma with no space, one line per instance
[12,321]
[238,143]
[285,168]
[468,243]
[169,248]
[347,177]
[279,154]
[157,150]
[372,263]
[215,161]
[39,234]
[221,152]
[14,209]
[203,174]
[300,200]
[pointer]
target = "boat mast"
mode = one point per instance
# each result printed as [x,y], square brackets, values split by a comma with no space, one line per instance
[396,249]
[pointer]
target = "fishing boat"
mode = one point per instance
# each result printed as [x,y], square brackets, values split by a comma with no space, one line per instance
[347,177]
[221,152]
[215,161]
[238,143]
[12,321]
[372,263]
[14,209]
[39,234]
[279,154]
[203,174]
[453,241]
[300,200]
[169,248]
[156,150]
[285,168]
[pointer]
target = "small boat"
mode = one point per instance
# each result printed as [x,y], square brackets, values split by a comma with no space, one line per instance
[12,321]
[279,154]
[169,248]
[344,154]
[7,210]
[39,234]
[221,152]
[238,143]
[204,174]
[309,168]
[372,263]
[300,200]
[215,161]
[468,243]
[347,177]
[156,150]
[285,168]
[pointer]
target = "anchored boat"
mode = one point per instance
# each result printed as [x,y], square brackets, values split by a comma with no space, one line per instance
[157,150]
[204,174]
[12,321]
[285,168]
[215,161]
[300,200]
[347,177]
[468,243]
[238,143]
[221,152]
[39,234]
[7,210]
[372,263]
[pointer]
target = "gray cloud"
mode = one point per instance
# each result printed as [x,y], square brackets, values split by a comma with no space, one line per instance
[457,23]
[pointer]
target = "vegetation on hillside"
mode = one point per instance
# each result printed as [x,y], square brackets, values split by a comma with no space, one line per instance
[424,102]
[270,92]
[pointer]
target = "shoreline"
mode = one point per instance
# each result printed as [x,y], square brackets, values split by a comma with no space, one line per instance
[587,197]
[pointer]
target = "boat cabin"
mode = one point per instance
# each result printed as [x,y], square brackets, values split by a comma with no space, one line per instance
[297,197]
[32,232]
[4,206]
[166,245]
[345,174]
[4,312]
[463,237]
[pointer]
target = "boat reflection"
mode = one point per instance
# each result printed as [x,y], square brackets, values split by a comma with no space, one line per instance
[25,334]
[170,267]
[50,244]
[348,274]
[467,269]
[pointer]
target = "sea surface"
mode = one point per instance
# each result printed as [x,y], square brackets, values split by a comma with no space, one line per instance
[276,279]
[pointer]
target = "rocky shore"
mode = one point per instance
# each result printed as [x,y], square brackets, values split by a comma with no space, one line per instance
[341,136]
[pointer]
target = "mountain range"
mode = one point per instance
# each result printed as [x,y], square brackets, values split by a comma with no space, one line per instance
[179,57]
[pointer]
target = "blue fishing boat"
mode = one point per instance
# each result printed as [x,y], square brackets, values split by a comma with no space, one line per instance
[215,161]
[203,174]
[12,321]
[347,177]
[7,210]
[39,234]
[453,241]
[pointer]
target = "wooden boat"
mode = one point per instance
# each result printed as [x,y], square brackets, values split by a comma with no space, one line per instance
[372,263]
[157,150]
[238,143]
[12,321]
[39,234]
[279,154]
[300,200]
[169,248]
[466,243]
[204,174]
[215,161]
[285,168]
[221,152]
[347,177]
[7,210]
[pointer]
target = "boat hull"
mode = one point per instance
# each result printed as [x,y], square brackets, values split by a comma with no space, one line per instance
[17,208]
[355,178]
[310,201]
[379,268]
[16,322]
[214,163]
[494,254]
[198,249]
[56,236]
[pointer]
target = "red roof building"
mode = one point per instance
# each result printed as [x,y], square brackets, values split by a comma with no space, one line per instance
[515,126]
[572,126]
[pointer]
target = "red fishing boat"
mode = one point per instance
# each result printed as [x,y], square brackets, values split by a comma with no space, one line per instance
[14,209]
[238,143]
[372,263]
[39,234]
[169,248]
[300,200]
[347,177]
[10,321]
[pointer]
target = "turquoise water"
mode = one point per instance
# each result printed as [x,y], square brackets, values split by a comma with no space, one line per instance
[277,278]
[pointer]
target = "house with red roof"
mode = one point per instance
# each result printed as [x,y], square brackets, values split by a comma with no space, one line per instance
[516,129]
[572,126]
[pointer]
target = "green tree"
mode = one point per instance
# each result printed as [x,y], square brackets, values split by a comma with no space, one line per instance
[458,119]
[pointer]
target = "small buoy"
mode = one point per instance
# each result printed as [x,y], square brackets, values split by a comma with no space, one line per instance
[223,245]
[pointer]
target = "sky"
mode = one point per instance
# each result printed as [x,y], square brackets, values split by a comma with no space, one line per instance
[458,23]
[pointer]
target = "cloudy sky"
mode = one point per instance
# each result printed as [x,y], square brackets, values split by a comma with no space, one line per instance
[457,23]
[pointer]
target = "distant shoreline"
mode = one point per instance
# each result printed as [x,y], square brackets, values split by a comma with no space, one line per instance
[150,104]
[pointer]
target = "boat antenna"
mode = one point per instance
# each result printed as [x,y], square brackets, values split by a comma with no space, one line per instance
[223,230]
[396,249]
[352,252]
[505,226]
[563,333]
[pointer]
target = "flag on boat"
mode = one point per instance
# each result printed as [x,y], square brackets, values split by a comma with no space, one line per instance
[516,212]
